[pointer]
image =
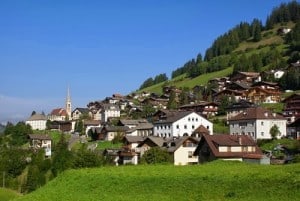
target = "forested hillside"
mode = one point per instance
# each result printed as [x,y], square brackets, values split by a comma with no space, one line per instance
[254,46]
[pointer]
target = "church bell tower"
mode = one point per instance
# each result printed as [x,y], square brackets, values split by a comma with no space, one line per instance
[69,104]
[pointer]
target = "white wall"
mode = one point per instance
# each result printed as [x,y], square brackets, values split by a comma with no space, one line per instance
[181,156]
[37,124]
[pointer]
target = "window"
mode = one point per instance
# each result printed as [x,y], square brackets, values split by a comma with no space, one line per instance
[177,126]
[189,119]
[185,126]
[193,127]
[196,119]
[192,119]
[262,133]
[262,123]
[190,154]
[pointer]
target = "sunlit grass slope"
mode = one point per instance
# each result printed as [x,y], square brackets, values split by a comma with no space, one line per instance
[213,181]
[7,194]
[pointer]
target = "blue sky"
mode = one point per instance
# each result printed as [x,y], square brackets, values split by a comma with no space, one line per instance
[103,47]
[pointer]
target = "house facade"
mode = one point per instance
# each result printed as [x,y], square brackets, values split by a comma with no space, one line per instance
[181,123]
[37,122]
[229,147]
[257,122]
[292,107]
[40,141]
[109,111]
[79,112]
[183,150]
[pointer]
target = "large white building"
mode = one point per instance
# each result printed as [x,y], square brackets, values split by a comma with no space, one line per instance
[109,111]
[257,123]
[37,121]
[181,123]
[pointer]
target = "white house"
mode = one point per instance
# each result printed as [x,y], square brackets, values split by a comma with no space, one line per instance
[37,121]
[78,112]
[109,111]
[40,141]
[257,123]
[182,150]
[180,123]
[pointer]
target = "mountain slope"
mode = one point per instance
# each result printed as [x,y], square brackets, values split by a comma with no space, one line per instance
[270,41]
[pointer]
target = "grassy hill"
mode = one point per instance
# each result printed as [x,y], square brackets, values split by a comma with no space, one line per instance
[7,194]
[270,40]
[218,180]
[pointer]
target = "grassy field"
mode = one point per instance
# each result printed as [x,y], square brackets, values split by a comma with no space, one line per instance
[218,180]
[7,194]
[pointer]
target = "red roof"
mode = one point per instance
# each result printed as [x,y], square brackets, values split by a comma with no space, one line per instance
[256,113]
[59,112]
[214,141]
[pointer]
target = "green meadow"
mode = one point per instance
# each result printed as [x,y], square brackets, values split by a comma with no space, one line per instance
[7,194]
[217,180]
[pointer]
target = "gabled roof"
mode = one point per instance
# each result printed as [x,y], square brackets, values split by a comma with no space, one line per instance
[256,113]
[132,121]
[142,126]
[157,141]
[241,104]
[171,118]
[176,143]
[295,95]
[82,110]
[214,141]
[201,130]
[59,112]
[134,139]
[116,128]
[37,117]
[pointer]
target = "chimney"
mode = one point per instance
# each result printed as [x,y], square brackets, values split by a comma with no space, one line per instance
[240,140]
[266,114]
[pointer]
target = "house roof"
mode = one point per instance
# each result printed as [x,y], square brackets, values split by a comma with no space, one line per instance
[201,130]
[170,118]
[214,141]
[249,74]
[82,110]
[174,144]
[157,141]
[133,139]
[39,137]
[59,112]
[295,95]
[256,113]
[142,126]
[132,121]
[116,128]
[242,104]
[37,117]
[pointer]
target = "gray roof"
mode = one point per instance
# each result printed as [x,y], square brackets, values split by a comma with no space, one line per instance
[82,110]
[111,107]
[142,126]
[173,117]
[159,141]
[133,139]
[116,128]
[132,121]
[176,143]
[37,117]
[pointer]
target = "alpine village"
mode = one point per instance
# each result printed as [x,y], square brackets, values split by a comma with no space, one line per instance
[225,126]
